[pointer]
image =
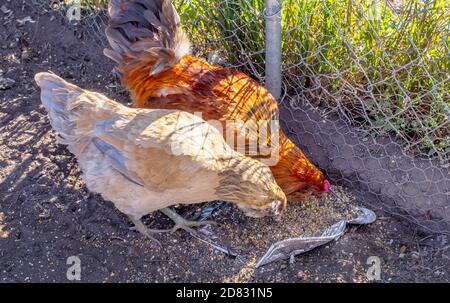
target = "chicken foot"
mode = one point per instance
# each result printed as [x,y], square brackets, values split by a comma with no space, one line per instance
[182,223]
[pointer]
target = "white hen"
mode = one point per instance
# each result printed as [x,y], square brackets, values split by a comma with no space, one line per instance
[145,160]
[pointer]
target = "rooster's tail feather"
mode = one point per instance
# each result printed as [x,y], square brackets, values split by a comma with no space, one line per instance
[150,26]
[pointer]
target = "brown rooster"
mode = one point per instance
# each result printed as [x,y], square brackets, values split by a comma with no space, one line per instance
[153,59]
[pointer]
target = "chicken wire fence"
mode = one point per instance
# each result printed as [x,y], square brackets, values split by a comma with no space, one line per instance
[365,88]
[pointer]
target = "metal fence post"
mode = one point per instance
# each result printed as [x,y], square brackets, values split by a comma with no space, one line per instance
[273,47]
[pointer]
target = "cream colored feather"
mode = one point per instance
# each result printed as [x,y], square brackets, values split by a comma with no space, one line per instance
[144,160]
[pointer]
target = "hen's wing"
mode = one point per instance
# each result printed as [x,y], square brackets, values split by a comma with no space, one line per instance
[160,150]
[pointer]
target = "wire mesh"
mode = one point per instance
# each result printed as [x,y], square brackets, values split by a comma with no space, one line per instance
[366,89]
[380,65]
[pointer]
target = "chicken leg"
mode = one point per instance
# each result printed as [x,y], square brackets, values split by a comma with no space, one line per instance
[139,226]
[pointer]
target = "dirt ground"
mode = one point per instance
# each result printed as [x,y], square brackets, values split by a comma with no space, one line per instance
[48,215]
